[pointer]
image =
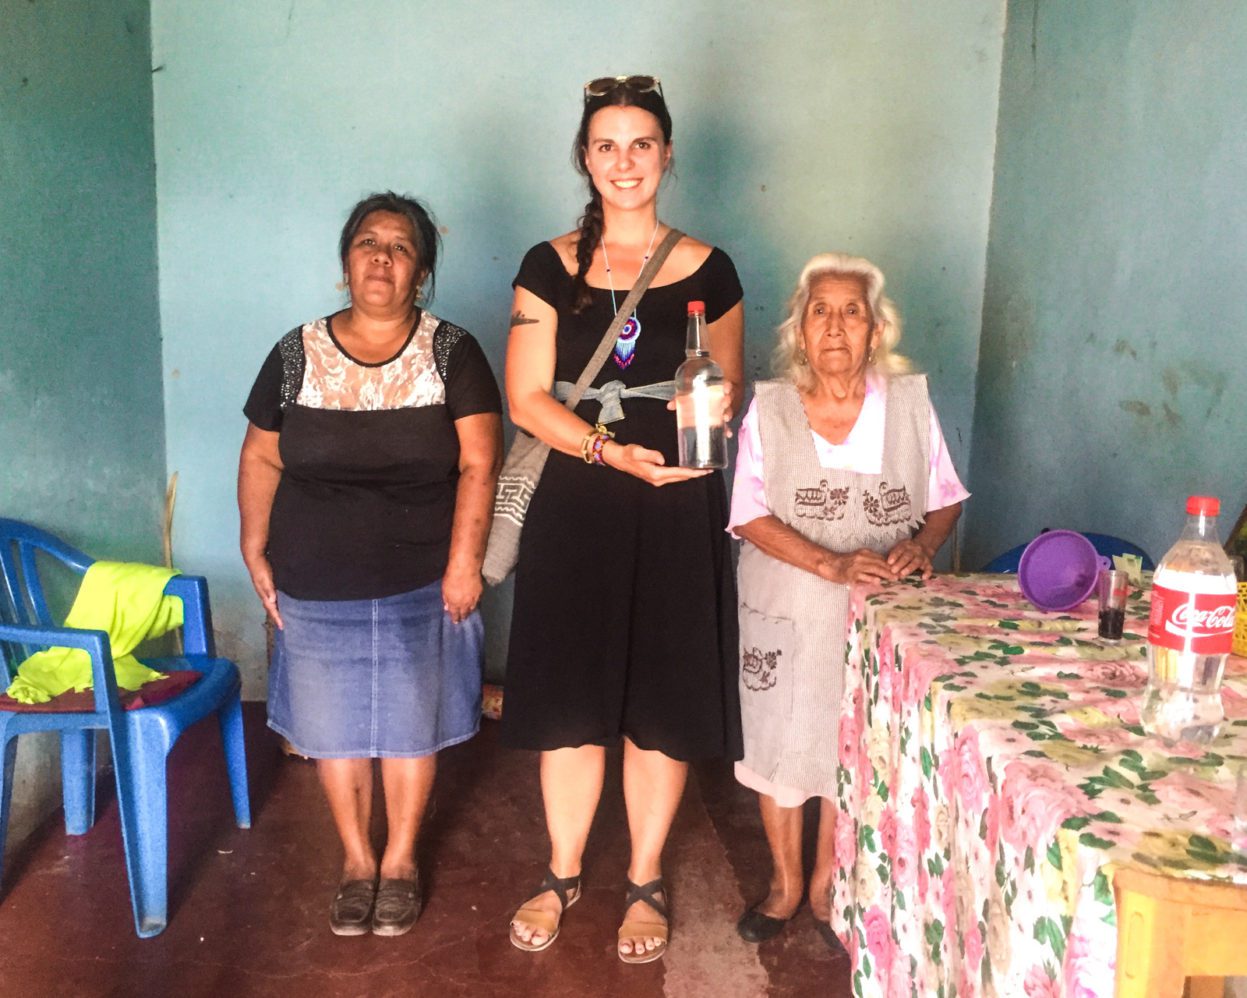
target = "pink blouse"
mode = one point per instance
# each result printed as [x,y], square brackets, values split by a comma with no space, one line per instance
[862,452]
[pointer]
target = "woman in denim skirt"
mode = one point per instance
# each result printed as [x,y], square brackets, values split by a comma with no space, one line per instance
[365,489]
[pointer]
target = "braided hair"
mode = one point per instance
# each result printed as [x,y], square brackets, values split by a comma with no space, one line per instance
[589,227]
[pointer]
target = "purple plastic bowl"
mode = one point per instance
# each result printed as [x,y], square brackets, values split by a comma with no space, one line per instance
[1058,570]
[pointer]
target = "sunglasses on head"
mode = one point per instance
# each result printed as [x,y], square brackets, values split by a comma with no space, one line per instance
[604,85]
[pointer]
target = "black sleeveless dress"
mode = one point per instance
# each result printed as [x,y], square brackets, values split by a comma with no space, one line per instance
[624,620]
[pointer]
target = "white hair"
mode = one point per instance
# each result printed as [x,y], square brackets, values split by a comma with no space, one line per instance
[788,359]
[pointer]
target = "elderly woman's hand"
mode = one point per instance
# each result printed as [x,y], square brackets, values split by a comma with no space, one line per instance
[862,565]
[461,592]
[909,556]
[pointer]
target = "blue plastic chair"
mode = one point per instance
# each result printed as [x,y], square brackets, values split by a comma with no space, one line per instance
[140,738]
[1105,544]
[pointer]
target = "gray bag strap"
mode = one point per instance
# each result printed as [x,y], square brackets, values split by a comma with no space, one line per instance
[612,333]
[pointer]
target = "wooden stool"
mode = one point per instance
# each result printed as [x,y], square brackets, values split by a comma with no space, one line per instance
[1169,929]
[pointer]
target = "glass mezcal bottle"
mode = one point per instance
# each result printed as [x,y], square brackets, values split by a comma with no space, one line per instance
[699,399]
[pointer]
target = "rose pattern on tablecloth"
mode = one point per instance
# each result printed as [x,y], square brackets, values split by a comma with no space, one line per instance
[992,773]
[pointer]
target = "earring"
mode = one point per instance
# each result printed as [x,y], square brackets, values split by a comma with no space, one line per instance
[802,359]
[343,284]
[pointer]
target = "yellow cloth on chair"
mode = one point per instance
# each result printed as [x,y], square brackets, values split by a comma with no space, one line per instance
[126,601]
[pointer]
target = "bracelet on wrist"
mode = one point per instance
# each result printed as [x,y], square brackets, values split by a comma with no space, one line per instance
[599,443]
[594,442]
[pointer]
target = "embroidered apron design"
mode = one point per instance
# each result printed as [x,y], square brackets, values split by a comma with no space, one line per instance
[820,503]
[887,506]
[758,667]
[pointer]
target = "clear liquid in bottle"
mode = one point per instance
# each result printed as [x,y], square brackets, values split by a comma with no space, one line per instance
[701,433]
[1189,632]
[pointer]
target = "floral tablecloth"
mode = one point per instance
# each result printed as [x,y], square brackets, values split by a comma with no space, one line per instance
[992,774]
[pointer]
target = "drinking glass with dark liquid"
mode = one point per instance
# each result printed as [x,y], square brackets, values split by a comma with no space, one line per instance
[1112,587]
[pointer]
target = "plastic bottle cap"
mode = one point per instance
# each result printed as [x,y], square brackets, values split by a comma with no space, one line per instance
[697,308]
[1203,505]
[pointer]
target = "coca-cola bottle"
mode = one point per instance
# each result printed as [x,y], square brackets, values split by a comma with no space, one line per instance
[1190,631]
[699,399]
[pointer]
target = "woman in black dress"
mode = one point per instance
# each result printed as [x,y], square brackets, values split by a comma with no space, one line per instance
[625,621]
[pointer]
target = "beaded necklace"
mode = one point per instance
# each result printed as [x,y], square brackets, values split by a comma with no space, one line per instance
[625,344]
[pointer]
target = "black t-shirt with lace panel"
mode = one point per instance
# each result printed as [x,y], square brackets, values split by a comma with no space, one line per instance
[366,499]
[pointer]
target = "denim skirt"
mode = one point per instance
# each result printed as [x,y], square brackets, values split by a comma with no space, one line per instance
[392,677]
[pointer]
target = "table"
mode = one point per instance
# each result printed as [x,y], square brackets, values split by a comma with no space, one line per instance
[992,775]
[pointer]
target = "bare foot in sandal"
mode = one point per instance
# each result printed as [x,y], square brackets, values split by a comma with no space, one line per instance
[644,932]
[536,924]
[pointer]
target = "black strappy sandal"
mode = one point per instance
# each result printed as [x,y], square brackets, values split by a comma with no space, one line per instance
[636,928]
[540,920]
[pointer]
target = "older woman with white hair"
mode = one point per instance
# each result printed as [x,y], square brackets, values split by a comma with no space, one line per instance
[842,476]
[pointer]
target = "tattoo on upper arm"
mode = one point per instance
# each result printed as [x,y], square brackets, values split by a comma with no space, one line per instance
[518,318]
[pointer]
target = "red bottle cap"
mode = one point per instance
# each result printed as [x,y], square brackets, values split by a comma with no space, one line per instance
[697,308]
[1203,505]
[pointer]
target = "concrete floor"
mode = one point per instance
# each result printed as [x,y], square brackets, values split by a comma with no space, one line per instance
[248,908]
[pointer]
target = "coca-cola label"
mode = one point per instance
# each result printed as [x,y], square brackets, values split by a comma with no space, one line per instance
[1199,622]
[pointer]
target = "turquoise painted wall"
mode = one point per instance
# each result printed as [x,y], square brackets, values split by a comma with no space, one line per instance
[799,127]
[1114,354]
[81,412]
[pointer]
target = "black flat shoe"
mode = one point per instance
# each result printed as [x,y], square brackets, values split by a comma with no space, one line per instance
[830,938]
[351,908]
[397,906]
[755,927]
